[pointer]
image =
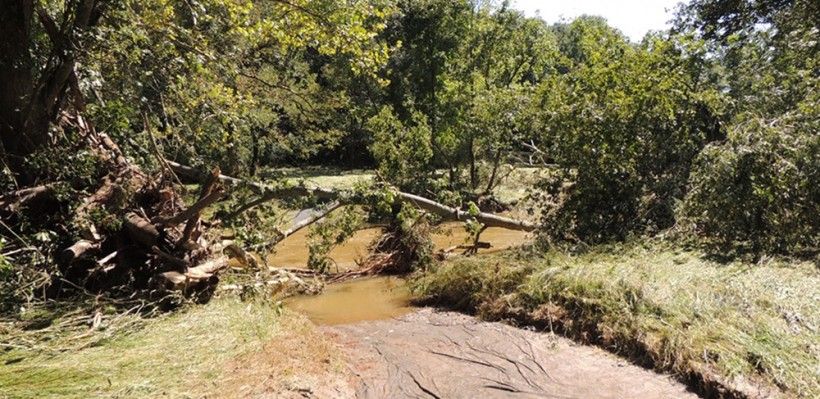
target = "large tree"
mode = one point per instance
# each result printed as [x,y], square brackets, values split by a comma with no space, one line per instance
[38,65]
[145,73]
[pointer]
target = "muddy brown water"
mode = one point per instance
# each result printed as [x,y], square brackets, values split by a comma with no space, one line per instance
[371,298]
[353,301]
[292,252]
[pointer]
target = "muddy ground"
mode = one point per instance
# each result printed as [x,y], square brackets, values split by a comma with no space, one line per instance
[432,354]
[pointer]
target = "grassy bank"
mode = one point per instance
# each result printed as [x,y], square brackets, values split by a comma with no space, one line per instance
[737,325]
[185,354]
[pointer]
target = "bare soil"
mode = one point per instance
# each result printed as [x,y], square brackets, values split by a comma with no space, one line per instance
[433,354]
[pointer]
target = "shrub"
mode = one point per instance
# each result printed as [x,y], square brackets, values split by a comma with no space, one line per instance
[623,127]
[760,190]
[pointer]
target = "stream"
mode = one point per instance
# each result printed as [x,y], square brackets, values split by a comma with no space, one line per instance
[292,252]
[396,351]
[372,298]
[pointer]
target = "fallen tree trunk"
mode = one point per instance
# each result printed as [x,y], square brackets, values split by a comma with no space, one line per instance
[318,213]
[450,213]
[444,211]
[268,192]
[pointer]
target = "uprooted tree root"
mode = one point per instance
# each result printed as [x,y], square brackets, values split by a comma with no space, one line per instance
[397,251]
[133,233]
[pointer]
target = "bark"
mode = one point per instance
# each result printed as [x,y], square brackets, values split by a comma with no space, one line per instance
[141,230]
[80,249]
[16,74]
[195,278]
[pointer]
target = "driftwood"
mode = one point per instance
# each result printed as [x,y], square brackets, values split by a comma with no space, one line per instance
[195,278]
[78,250]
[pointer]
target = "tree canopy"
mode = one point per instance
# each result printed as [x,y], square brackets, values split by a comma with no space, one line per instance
[708,129]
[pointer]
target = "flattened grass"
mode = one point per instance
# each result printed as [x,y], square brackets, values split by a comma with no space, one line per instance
[745,325]
[178,355]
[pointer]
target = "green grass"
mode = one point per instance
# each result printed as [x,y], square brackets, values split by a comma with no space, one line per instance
[177,355]
[735,323]
[328,177]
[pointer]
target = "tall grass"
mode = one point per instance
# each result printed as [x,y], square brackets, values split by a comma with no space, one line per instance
[748,325]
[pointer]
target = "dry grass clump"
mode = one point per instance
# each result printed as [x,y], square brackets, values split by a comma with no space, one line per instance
[298,362]
[744,325]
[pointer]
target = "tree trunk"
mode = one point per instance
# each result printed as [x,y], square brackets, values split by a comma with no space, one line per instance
[28,107]
[472,160]
[16,74]
[446,212]
[494,172]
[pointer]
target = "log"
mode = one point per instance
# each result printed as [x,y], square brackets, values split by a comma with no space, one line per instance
[141,230]
[318,214]
[444,211]
[194,277]
[208,268]
[78,250]
[450,213]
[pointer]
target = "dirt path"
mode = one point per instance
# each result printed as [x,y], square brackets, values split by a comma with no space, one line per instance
[431,354]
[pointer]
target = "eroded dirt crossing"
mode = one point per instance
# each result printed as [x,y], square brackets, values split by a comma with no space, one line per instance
[431,354]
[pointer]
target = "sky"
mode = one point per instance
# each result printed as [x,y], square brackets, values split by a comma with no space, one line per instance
[632,17]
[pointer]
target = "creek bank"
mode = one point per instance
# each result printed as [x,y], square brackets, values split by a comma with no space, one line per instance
[730,330]
[396,351]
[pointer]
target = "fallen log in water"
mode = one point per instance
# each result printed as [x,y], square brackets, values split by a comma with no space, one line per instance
[444,211]
[450,213]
